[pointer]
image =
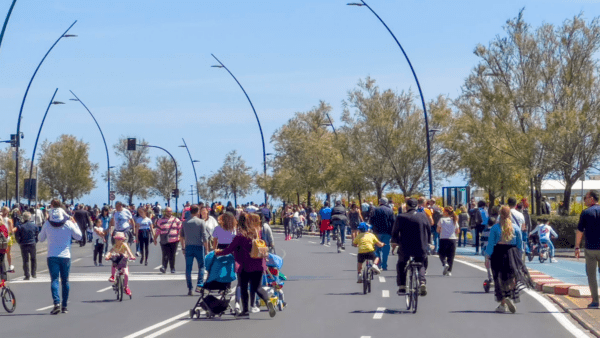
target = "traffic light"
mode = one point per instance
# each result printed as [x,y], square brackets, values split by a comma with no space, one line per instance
[131,142]
[175,193]
[14,141]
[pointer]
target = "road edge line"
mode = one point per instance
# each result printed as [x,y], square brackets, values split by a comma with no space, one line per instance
[575,316]
[559,316]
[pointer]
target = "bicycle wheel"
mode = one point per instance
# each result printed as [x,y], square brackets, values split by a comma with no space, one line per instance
[120,288]
[415,293]
[365,278]
[409,291]
[8,300]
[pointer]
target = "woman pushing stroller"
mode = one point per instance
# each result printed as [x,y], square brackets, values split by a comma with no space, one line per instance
[250,270]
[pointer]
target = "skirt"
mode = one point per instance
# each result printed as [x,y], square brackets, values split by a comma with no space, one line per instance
[510,274]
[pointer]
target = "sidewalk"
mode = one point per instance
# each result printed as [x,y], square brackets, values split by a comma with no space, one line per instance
[564,282]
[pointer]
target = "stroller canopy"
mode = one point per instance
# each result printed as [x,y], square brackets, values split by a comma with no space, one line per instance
[274,261]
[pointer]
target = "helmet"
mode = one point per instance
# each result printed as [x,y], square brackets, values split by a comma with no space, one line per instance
[363,227]
[120,235]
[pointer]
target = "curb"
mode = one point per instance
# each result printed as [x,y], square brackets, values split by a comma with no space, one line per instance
[575,315]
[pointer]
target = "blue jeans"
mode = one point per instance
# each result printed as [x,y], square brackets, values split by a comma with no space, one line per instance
[340,228]
[436,239]
[59,266]
[550,246]
[526,242]
[384,252]
[463,233]
[194,252]
[326,233]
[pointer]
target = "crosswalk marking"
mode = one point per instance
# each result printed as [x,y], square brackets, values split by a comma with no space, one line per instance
[103,277]
[385,293]
[379,313]
[381,279]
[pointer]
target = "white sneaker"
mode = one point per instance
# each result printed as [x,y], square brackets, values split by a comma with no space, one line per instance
[501,308]
[449,274]
[375,269]
[553,260]
[359,280]
[11,268]
[446,267]
[511,306]
[255,309]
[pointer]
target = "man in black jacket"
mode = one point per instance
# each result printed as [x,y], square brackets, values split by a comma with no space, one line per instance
[339,219]
[82,217]
[27,237]
[382,223]
[412,232]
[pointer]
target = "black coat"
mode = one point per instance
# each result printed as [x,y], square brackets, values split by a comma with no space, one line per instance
[412,231]
[383,220]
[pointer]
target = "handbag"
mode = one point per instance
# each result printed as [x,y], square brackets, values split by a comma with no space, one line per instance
[259,248]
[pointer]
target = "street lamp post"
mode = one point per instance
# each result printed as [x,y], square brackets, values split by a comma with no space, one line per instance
[103,139]
[52,102]
[221,65]
[6,21]
[176,173]
[363,3]
[18,142]
[193,167]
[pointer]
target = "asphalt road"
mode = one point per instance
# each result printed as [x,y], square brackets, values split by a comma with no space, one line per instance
[323,299]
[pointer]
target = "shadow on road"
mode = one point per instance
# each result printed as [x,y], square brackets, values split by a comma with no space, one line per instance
[100,301]
[25,314]
[387,311]
[160,296]
[472,292]
[473,311]
[344,294]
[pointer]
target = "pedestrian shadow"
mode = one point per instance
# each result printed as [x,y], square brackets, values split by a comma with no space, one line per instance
[487,312]
[160,296]
[472,292]
[327,252]
[25,314]
[386,311]
[99,301]
[344,294]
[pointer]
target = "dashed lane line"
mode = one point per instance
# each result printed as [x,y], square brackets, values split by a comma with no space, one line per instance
[381,279]
[156,326]
[311,242]
[353,254]
[158,267]
[105,289]
[48,307]
[379,313]
[385,293]
[168,328]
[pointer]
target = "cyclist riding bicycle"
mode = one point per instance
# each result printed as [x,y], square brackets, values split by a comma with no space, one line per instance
[412,233]
[546,233]
[366,242]
[120,254]
[339,219]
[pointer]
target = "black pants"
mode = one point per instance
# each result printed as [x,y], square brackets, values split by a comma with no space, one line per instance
[144,241]
[286,228]
[401,265]
[254,279]
[84,235]
[477,235]
[28,254]
[168,254]
[3,275]
[98,252]
[447,251]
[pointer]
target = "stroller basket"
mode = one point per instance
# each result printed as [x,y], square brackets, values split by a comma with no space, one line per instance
[214,305]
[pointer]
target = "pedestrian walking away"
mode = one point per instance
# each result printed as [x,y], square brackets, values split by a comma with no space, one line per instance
[194,244]
[589,225]
[448,230]
[325,223]
[382,222]
[26,235]
[82,217]
[225,232]
[59,233]
[463,223]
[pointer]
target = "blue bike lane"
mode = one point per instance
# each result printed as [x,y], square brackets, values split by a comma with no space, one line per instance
[566,270]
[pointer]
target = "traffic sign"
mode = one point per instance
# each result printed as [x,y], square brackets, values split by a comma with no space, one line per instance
[112,196]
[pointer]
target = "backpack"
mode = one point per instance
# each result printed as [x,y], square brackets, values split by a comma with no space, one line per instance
[3,242]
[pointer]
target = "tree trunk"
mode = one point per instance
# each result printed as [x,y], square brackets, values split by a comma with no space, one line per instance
[538,195]
[492,195]
[308,197]
[130,198]
[328,198]
[359,198]
[567,199]
[298,197]
[379,188]
[235,199]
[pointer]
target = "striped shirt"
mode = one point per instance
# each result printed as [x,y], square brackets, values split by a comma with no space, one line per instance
[169,227]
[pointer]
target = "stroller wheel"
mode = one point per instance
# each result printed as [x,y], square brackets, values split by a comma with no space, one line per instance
[530,256]
[192,313]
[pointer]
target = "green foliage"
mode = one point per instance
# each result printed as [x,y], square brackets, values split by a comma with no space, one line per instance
[134,176]
[565,227]
[234,178]
[163,181]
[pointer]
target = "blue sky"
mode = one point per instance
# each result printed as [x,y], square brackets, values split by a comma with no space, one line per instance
[143,67]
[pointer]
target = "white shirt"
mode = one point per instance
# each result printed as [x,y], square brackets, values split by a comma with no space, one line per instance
[211,224]
[517,218]
[39,217]
[122,219]
[59,238]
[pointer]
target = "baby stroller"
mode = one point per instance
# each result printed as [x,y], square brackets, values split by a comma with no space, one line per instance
[273,281]
[214,292]
[485,235]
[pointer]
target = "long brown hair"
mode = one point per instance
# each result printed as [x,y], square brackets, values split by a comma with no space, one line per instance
[245,227]
[227,221]
[450,212]
[508,233]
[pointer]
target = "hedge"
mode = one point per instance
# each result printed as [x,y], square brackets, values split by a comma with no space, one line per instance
[565,227]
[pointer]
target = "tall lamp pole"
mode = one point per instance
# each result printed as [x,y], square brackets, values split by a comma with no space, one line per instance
[103,139]
[6,20]
[363,3]
[52,102]
[18,142]
[193,167]
[221,65]
[176,173]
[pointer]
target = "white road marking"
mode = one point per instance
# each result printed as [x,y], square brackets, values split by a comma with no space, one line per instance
[381,279]
[77,260]
[353,254]
[45,308]
[312,242]
[379,313]
[105,289]
[156,326]
[365,336]
[158,267]
[103,277]
[385,293]
[168,328]
[560,317]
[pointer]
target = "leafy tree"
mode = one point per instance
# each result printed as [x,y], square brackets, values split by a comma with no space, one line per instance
[7,172]
[134,176]
[207,189]
[234,178]
[66,169]
[164,178]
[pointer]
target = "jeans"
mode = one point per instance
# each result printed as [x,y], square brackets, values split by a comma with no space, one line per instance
[194,252]
[59,266]
[463,234]
[28,253]
[340,228]
[328,234]
[592,260]
[384,252]
[526,243]
[550,246]
[168,254]
[436,239]
[144,243]
[106,242]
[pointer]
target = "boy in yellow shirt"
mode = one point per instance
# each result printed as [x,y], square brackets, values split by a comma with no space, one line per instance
[366,242]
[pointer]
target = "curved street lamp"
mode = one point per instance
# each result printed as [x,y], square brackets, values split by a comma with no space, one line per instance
[193,166]
[363,3]
[52,102]
[6,21]
[103,139]
[18,142]
[176,173]
[221,65]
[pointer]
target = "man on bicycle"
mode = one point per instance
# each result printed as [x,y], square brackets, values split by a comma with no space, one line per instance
[412,233]
[339,219]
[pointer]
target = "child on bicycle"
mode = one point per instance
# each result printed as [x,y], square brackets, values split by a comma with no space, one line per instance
[545,233]
[119,255]
[366,242]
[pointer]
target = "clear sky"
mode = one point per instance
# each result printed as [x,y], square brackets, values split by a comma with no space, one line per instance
[143,66]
